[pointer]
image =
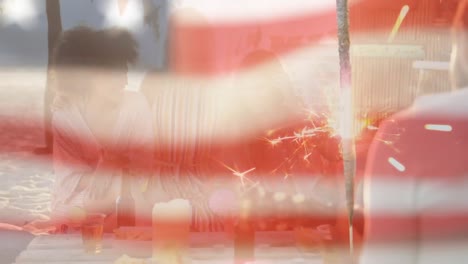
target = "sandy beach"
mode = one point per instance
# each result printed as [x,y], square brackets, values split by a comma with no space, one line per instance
[26,179]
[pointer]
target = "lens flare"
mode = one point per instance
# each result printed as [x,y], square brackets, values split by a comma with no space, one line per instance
[20,12]
[129,17]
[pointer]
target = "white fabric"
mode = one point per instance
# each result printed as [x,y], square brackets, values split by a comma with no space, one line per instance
[184,120]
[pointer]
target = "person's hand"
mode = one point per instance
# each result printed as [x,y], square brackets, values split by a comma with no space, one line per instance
[40,227]
[101,195]
[102,206]
[104,180]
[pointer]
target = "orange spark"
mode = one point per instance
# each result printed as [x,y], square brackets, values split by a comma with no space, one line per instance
[242,175]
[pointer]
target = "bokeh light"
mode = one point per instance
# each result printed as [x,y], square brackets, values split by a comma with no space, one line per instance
[20,12]
[130,17]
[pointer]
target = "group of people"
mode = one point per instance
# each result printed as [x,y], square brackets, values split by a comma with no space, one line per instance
[179,136]
[179,130]
[174,136]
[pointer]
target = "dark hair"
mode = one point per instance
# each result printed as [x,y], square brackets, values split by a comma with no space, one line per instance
[85,47]
[82,50]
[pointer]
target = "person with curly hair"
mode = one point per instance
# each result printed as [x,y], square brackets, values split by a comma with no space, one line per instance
[100,129]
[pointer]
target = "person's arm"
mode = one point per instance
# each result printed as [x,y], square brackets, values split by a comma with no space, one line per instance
[76,171]
[139,149]
[234,110]
[142,139]
[73,172]
[390,211]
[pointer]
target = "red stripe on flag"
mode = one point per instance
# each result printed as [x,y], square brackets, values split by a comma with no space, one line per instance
[393,228]
[205,49]
[215,48]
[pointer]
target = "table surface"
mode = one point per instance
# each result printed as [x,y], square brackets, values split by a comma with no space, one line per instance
[206,248]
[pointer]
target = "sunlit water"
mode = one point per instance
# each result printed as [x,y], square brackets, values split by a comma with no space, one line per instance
[26,179]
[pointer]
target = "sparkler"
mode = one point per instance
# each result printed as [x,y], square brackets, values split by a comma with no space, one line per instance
[346,119]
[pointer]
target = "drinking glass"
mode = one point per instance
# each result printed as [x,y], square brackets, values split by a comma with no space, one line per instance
[92,232]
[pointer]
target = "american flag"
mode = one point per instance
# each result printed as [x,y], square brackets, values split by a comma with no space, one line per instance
[208,43]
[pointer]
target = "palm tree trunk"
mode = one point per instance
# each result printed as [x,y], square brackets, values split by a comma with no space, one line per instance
[155,16]
[348,152]
[54,21]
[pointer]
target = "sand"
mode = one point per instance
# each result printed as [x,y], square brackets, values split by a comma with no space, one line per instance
[26,179]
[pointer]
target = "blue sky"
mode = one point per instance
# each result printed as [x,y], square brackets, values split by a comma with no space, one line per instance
[24,44]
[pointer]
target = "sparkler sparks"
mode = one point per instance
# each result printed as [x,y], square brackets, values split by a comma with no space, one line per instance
[242,176]
[286,175]
[391,137]
[389,143]
[307,139]
[274,142]
[306,157]
[299,136]
[320,131]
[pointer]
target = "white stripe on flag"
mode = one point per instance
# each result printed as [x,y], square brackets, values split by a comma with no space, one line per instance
[258,10]
[408,196]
